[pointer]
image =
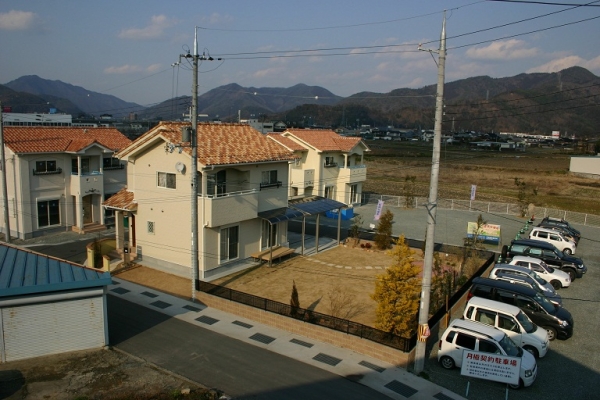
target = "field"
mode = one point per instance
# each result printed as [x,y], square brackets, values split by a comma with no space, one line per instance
[544,171]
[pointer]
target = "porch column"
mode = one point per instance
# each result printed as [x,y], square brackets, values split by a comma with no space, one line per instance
[79,212]
[345,160]
[119,229]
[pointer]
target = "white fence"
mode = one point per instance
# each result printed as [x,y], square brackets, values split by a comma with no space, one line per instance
[484,206]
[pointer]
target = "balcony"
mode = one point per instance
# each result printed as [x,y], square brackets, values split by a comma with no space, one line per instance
[353,174]
[87,184]
[229,208]
[303,178]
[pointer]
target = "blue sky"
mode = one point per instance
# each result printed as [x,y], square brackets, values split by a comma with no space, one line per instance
[127,48]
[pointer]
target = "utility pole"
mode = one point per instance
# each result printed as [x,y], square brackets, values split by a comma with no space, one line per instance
[431,209]
[4,187]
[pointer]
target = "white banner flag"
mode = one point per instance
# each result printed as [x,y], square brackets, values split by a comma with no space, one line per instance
[378,209]
[473,191]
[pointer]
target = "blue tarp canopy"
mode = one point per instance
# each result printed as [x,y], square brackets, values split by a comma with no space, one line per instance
[303,207]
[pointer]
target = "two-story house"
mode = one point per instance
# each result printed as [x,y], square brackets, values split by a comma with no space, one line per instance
[327,164]
[242,187]
[58,177]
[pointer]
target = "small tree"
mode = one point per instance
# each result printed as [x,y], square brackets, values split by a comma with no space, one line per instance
[355,228]
[398,292]
[383,236]
[410,189]
[525,195]
[343,304]
[294,300]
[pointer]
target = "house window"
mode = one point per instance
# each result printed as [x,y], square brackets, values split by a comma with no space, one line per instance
[46,168]
[111,163]
[166,180]
[268,241]
[329,192]
[216,183]
[330,162]
[48,213]
[354,196]
[85,166]
[269,178]
[229,243]
[151,227]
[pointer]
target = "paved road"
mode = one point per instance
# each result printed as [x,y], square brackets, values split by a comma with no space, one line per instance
[243,371]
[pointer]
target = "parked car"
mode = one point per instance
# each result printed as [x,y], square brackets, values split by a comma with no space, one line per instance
[560,222]
[566,232]
[557,278]
[525,276]
[557,321]
[469,335]
[554,237]
[549,253]
[512,321]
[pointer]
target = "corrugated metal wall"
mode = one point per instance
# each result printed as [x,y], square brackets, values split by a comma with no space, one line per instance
[39,329]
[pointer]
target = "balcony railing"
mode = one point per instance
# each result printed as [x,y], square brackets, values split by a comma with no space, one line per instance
[51,172]
[120,166]
[272,184]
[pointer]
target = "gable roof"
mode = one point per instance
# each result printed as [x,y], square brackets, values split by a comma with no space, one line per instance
[286,141]
[24,272]
[218,144]
[325,140]
[63,139]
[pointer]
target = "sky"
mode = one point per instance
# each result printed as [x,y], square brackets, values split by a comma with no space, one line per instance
[130,49]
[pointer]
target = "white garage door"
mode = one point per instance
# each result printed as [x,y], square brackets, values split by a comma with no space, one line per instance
[49,328]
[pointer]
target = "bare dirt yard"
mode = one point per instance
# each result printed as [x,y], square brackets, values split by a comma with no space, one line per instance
[89,375]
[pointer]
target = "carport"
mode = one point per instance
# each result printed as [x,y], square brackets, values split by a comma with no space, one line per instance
[49,305]
[304,207]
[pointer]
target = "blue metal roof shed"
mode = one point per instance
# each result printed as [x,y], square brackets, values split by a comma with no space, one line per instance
[49,306]
[24,272]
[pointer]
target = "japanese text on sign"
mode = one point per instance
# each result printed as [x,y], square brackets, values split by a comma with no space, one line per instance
[493,367]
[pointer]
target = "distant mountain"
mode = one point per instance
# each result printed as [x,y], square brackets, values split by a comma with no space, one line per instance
[89,102]
[225,101]
[29,103]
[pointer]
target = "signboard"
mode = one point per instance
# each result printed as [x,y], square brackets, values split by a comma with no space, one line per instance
[556,134]
[493,367]
[378,209]
[487,232]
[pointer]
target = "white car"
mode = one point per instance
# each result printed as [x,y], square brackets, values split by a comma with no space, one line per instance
[556,277]
[553,237]
[475,336]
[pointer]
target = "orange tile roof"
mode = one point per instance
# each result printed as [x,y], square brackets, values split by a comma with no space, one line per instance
[122,200]
[286,141]
[218,144]
[326,140]
[42,139]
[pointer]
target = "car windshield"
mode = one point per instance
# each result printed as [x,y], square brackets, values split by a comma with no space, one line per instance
[545,303]
[525,322]
[546,267]
[510,348]
[538,278]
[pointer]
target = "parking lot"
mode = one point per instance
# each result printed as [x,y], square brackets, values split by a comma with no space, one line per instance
[571,369]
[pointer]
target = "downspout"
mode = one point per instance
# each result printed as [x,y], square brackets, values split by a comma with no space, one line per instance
[14,162]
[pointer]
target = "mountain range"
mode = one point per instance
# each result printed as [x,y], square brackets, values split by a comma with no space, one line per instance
[565,101]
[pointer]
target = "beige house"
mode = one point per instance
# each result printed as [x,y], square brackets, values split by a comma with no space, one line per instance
[242,204]
[58,177]
[328,164]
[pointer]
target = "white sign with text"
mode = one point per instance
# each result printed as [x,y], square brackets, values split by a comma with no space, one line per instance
[493,367]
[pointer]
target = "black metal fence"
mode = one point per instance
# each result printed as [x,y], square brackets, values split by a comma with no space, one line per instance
[312,317]
[339,324]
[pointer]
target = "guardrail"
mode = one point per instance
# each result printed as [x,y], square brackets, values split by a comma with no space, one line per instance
[483,206]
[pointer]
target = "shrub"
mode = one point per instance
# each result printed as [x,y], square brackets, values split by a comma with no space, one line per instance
[383,236]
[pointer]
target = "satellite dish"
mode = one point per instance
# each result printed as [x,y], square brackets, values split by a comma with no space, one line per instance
[179,166]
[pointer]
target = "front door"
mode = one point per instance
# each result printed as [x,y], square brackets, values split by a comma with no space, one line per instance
[87,209]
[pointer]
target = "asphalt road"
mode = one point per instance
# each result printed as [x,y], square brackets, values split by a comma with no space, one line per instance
[240,370]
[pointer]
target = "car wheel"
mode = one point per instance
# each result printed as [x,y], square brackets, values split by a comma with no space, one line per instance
[551,332]
[556,284]
[447,362]
[568,251]
[517,386]
[572,274]
[533,351]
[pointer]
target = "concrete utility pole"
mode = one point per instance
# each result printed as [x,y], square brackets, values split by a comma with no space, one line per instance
[431,208]
[4,187]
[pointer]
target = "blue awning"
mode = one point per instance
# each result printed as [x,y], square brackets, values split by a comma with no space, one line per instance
[280,214]
[303,207]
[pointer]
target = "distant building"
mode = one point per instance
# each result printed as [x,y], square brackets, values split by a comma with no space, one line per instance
[586,166]
[30,119]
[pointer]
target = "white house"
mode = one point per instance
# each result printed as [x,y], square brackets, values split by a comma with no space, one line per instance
[57,177]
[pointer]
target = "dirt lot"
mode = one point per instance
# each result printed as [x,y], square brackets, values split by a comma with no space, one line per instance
[100,374]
